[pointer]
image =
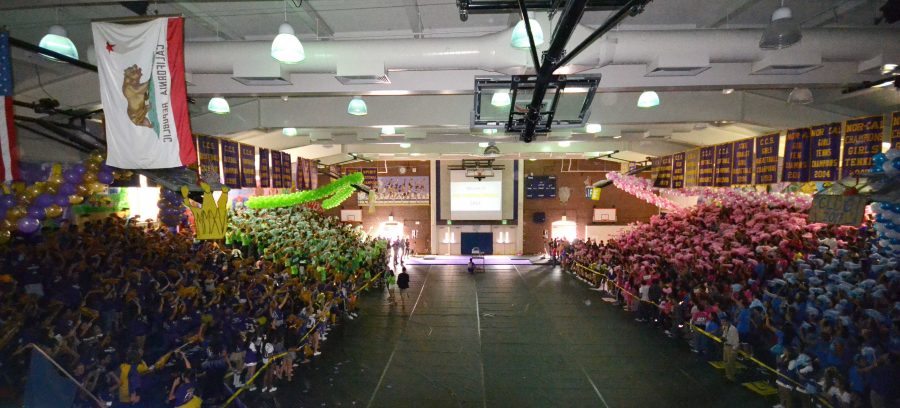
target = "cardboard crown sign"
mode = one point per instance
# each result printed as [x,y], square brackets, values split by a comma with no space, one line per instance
[211,218]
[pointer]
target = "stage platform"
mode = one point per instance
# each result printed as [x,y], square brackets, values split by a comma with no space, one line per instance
[464,260]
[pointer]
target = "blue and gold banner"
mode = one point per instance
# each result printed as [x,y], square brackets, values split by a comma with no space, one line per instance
[248,166]
[678,170]
[302,174]
[796,156]
[691,167]
[766,163]
[825,151]
[664,177]
[231,163]
[723,164]
[277,168]
[707,168]
[286,173]
[862,140]
[742,162]
[264,176]
[895,130]
[209,158]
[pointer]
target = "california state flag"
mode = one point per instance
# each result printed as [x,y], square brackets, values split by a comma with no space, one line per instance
[142,88]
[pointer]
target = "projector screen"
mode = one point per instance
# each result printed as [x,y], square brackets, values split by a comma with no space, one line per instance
[472,199]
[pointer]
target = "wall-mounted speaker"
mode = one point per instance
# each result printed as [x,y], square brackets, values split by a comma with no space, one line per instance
[539,217]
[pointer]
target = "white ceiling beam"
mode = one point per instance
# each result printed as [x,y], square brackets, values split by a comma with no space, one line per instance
[315,22]
[210,23]
[833,14]
[733,11]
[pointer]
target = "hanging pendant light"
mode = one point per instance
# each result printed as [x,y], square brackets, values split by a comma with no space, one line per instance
[520,34]
[501,99]
[286,47]
[289,131]
[593,128]
[648,99]
[357,107]
[57,39]
[782,32]
[218,105]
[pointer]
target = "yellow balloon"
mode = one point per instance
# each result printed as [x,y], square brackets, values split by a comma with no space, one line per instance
[75,199]
[96,157]
[34,190]
[53,211]
[90,177]
[55,179]
[51,188]
[13,214]
[5,236]
[96,187]
[92,166]
[81,190]
[6,225]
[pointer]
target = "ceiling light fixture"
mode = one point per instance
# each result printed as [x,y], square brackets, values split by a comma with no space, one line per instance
[532,159]
[520,35]
[483,144]
[888,68]
[800,96]
[357,107]
[405,145]
[593,128]
[289,132]
[489,131]
[564,143]
[58,40]
[388,130]
[782,31]
[727,91]
[648,99]
[501,98]
[617,137]
[883,84]
[218,105]
[286,47]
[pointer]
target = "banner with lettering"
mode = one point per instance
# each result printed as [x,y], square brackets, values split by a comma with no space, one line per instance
[796,156]
[231,164]
[742,162]
[862,140]
[825,150]
[665,172]
[313,174]
[766,162]
[691,167]
[302,174]
[248,165]
[264,176]
[723,164]
[277,168]
[370,177]
[895,130]
[655,162]
[678,170]
[707,168]
[209,159]
[286,173]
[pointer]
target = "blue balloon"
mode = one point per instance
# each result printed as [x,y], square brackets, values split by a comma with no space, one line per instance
[879,159]
[877,169]
[896,163]
[880,219]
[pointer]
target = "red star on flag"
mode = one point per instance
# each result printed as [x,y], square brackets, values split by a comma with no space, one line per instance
[110,47]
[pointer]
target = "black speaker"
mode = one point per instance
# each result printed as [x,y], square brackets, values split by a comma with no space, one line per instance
[539,217]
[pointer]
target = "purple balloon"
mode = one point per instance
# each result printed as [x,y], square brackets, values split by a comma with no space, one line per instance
[7,200]
[61,200]
[79,168]
[67,189]
[71,176]
[36,212]
[43,200]
[28,225]
[105,177]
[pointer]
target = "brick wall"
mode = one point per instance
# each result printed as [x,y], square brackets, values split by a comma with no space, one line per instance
[578,208]
[409,215]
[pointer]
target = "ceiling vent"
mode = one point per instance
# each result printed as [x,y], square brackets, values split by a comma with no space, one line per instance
[635,134]
[787,62]
[657,137]
[354,71]
[368,135]
[320,136]
[254,73]
[680,65]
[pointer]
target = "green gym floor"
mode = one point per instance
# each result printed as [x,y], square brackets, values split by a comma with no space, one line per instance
[525,336]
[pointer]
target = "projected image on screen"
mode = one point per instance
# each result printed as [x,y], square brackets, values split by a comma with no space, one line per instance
[471,199]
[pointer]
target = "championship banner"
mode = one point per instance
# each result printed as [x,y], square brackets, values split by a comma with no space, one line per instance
[370,177]
[313,175]
[286,173]
[825,150]
[767,158]
[796,156]
[862,140]
[302,174]
[142,89]
[742,163]
[655,163]
[895,130]
[264,176]
[248,166]
[231,164]
[678,170]
[723,164]
[707,168]
[277,168]
[209,158]
[664,174]
[691,168]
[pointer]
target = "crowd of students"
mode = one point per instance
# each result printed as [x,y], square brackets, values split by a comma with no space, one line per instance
[106,297]
[819,304]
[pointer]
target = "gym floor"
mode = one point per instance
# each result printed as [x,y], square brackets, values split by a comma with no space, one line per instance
[514,336]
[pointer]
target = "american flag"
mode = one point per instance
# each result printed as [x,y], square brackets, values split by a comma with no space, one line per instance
[9,152]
